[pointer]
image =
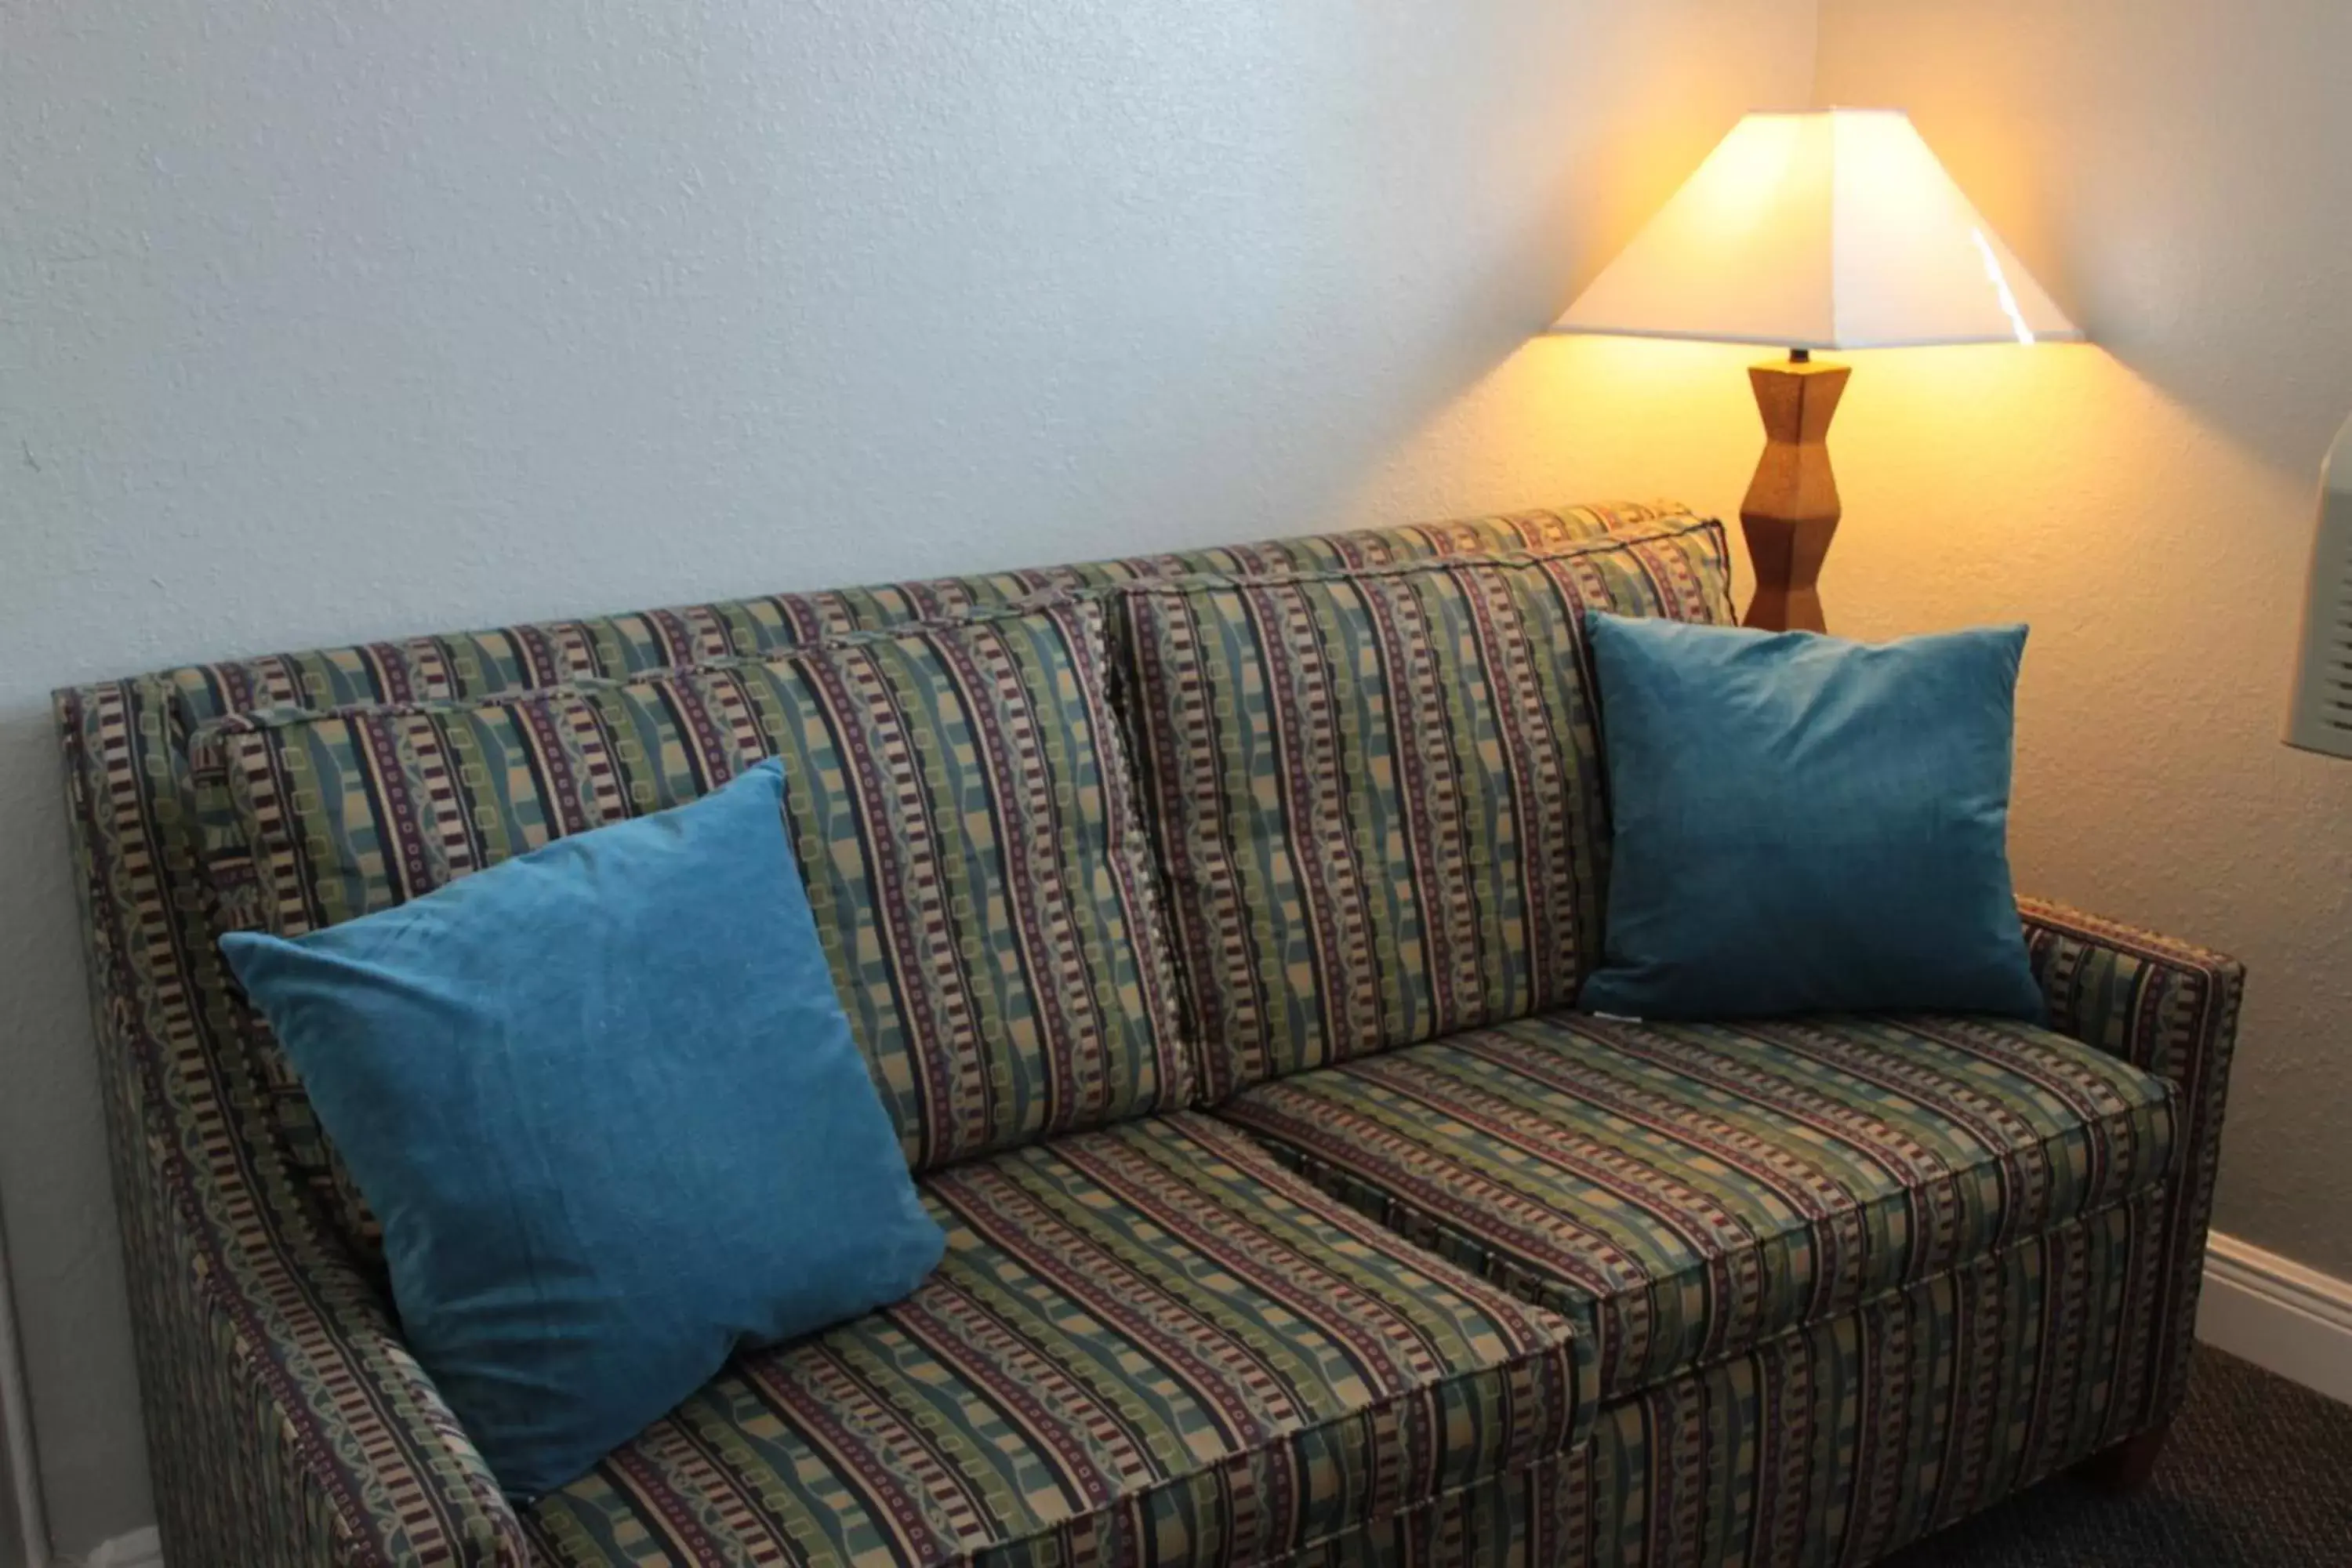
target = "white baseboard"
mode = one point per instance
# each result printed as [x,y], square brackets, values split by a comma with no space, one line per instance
[2273,1312]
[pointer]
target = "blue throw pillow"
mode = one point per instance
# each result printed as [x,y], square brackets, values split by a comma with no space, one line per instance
[1807,824]
[605,1103]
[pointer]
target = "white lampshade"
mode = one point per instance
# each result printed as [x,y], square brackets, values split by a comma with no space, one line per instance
[1836,229]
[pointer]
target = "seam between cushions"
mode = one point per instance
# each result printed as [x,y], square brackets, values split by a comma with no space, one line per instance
[1548,1339]
[1564,1343]
[1158,889]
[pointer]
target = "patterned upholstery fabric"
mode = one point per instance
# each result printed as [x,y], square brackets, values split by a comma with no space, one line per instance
[548,653]
[2170,1008]
[1378,792]
[199,816]
[1838,1444]
[289,1427]
[973,858]
[286,1424]
[1844,1441]
[1530,1517]
[1688,1191]
[1147,1345]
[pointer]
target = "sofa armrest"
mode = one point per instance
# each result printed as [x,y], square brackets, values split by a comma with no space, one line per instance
[2171,1008]
[286,1422]
[2159,1004]
[297,1426]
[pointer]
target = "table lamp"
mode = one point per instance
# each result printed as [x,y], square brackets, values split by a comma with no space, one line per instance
[1833,229]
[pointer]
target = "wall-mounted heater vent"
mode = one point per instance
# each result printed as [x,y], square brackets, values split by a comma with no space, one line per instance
[2321,719]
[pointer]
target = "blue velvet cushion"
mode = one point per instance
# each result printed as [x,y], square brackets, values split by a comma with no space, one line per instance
[606,1104]
[1805,825]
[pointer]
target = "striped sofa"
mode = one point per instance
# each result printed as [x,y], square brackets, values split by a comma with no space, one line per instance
[1211,923]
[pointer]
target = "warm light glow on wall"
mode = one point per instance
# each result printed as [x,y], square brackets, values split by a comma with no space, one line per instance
[1836,229]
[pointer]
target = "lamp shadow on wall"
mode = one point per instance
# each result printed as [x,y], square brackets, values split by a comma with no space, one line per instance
[2182,268]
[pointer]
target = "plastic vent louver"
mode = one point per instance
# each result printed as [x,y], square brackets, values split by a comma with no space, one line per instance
[2321,718]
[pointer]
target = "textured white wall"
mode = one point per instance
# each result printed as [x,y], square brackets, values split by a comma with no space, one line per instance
[327,322]
[2177,172]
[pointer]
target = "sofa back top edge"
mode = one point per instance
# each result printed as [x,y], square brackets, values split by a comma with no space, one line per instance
[524,656]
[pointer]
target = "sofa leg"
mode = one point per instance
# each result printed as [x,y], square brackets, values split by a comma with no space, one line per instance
[2127,1466]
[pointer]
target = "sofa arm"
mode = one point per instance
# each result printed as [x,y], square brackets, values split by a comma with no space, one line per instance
[286,1422]
[2172,1009]
[2159,1004]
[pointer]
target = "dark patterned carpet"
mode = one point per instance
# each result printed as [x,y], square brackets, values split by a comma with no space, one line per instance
[2258,1474]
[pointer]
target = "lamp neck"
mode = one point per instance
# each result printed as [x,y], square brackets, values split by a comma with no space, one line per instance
[1800,356]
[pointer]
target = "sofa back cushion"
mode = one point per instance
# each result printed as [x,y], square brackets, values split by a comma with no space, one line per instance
[958,803]
[1379,793]
[196,867]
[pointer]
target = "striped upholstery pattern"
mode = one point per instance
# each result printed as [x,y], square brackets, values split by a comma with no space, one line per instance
[289,1427]
[1147,1345]
[1689,1191]
[1378,792]
[2170,1008]
[1832,1444]
[1844,1441]
[973,858]
[205,825]
[1838,1443]
[549,653]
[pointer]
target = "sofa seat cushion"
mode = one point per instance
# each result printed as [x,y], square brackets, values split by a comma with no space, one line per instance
[1146,1344]
[1685,1191]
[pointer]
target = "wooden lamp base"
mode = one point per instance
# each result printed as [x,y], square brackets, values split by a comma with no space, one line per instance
[1791,508]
